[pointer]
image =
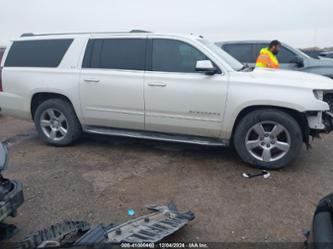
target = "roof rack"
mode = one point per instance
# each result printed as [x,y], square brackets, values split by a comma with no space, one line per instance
[82,33]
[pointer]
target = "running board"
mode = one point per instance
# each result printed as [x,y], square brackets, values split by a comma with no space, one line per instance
[155,136]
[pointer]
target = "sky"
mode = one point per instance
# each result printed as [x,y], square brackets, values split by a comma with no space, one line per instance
[304,23]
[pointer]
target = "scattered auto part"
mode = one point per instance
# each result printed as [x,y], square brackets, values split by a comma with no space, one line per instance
[55,235]
[321,235]
[264,173]
[11,197]
[153,227]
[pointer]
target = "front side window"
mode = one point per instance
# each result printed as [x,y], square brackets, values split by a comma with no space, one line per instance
[285,55]
[175,56]
[37,53]
[126,54]
[242,52]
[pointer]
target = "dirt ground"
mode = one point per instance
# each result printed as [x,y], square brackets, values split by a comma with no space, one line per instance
[99,178]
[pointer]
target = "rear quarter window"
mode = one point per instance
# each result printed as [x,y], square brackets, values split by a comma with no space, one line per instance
[37,53]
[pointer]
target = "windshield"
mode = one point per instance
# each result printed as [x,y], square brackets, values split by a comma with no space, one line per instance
[235,64]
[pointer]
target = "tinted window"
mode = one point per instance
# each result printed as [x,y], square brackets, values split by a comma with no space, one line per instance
[175,56]
[128,54]
[39,53]
[285,55]
[242,52]
[259,47]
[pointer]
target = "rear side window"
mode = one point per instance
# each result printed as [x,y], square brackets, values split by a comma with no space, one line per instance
[126,54]
[242,52]
[37,53]
[175,56]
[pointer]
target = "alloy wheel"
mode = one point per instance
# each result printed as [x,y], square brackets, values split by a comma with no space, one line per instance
[268,141]
[54,124]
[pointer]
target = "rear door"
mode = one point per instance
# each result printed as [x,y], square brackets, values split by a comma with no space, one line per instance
[112,82]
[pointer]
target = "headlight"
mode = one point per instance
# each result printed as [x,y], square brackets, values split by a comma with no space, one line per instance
[319,94]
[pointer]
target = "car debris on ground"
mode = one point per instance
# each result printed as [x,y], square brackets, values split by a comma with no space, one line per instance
[264,173]
[11,197]
[150,228]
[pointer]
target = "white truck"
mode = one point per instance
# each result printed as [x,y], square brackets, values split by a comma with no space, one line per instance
[179,88]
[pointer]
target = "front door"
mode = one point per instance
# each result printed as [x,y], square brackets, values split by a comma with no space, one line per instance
[177,98]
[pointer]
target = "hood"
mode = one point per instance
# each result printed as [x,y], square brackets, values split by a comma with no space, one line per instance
[322,62]
[326,59]
[291,78]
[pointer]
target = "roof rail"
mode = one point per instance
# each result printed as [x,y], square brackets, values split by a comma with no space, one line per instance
[139,31]
[27,34]
[73,33]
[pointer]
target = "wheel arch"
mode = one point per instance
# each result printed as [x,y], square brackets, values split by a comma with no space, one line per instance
[40,97]
[298,116]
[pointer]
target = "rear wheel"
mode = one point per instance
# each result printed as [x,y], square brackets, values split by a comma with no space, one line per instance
[268,139]
[56,122]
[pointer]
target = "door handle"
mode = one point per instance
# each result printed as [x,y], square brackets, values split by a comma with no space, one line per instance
[157,84]
[91,80]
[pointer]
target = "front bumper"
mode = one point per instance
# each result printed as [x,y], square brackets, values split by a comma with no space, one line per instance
[320,122]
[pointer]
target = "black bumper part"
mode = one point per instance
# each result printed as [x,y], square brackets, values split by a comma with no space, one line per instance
[11,201]
[328,121]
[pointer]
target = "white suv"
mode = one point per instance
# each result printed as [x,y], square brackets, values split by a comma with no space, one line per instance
[163,87]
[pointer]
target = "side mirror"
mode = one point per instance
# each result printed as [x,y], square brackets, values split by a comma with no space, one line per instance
[206,66]
[3,157]
[299,61]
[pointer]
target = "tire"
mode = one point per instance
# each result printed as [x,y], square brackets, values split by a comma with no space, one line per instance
[266,130]
[57,123]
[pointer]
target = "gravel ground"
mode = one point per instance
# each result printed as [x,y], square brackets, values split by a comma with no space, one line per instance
[99,178]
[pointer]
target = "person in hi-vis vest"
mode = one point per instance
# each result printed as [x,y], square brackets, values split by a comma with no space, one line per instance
[267,57]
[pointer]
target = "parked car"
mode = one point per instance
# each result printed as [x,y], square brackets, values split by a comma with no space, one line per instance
[163,87]
[289,57]
[327,54]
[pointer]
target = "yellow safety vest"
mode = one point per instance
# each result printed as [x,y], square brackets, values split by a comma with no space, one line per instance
[267,59]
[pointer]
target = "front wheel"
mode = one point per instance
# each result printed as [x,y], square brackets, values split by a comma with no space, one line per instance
[268,139]
[56,122]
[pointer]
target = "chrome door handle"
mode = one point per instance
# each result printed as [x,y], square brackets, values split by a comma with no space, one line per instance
[91,80]
[157,84]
